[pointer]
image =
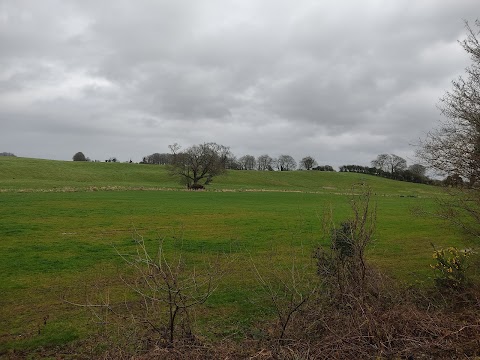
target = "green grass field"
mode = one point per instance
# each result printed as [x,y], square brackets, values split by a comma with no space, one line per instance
[60,222]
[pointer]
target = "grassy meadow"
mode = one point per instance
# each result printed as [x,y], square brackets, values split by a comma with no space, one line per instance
[60,223]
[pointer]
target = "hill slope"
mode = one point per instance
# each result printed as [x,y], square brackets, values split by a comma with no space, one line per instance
[36,174]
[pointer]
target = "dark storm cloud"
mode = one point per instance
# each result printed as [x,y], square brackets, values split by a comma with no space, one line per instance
[342,81]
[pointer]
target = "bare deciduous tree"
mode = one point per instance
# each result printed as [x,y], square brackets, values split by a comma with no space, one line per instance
[286,163]
[380,162]
[174,148]
[396,163]
[158,159]
[308,163]
[390,162]
[232,163]
[198,162]
[418,170]
[264,162]
[247,162]
[454,147]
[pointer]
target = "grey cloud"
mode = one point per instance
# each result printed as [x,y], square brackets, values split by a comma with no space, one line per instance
[342,80]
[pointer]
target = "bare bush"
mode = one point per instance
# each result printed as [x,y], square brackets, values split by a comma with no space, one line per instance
[169,285]
[385,328]
[342,268]
[360,313]
[288,290]
[163,292]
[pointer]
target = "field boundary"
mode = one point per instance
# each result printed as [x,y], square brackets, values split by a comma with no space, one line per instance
[69,189]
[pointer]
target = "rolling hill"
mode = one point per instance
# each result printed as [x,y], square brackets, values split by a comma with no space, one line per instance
[24,174]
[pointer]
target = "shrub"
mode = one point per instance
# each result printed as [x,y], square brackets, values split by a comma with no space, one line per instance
[342,240]
[343,269]
[79,156]
[450,268]
[288,289]
[161,292]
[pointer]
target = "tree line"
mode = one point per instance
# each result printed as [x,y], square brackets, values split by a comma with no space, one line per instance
[248,162]
[198,164]
[393,167]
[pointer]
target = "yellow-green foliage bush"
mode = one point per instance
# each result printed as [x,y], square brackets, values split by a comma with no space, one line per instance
[450,268]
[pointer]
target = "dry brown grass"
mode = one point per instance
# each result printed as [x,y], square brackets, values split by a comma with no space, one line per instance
[386,323]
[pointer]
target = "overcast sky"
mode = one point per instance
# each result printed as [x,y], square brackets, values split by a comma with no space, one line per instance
[341,80]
